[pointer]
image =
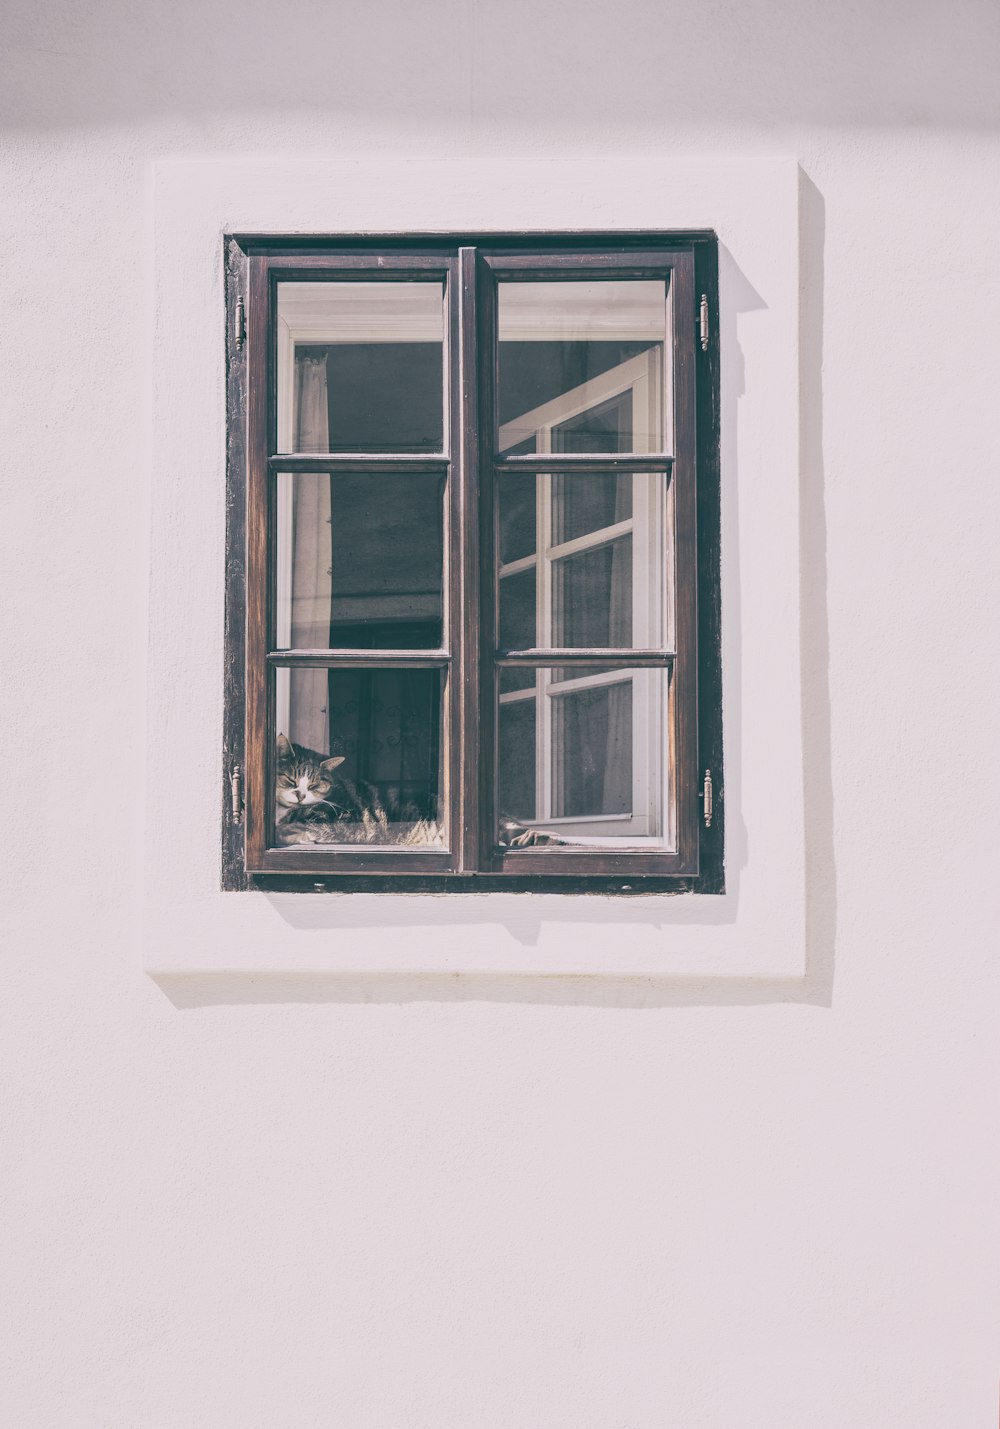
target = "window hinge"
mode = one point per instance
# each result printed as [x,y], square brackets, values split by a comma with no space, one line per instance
[703,316]
[239,325]
[236,793]
[706,798]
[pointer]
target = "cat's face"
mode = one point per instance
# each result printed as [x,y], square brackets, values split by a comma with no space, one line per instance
[301,780]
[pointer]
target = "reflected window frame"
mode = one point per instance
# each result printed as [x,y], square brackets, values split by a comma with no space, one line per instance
[682,736]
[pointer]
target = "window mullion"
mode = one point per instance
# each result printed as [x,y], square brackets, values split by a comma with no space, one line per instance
[466,534]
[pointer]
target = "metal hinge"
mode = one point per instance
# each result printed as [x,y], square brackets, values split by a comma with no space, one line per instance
[706,798]
[236,793]
[703,321]
[239,325]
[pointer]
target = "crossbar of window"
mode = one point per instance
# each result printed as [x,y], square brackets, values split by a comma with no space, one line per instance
[567,463]
[360,659]
[623,659]
[405,463]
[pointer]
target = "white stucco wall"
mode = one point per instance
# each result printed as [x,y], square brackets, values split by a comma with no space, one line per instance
[404,1201]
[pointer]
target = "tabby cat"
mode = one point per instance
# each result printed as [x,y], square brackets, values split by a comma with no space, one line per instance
[313,806]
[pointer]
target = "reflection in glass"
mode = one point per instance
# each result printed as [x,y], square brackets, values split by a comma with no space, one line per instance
[360,367]
[359,561]
[592,742]
[592,597]
[588,501]
[602,578]
[582,366]
[584,760]
[606,427]
[358,757]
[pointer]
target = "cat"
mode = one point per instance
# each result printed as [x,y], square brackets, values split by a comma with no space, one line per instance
[313,806]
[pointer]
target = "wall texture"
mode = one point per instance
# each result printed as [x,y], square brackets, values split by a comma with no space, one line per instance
[422,1203]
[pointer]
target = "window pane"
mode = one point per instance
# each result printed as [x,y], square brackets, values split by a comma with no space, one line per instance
[606,427]
[360,367]
[592,597]
[518,619]
[602,576]
[582,365]
[358,758]
[517,761]
[587,501]
[516,677]
[516,507]
[592,751]
[584,761]
[359,561]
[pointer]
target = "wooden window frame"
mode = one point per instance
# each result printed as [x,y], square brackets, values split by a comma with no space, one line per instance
[470,265]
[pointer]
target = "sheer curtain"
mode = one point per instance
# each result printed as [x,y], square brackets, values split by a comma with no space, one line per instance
[312,558]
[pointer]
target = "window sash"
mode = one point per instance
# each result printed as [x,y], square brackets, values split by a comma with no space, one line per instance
[469,654]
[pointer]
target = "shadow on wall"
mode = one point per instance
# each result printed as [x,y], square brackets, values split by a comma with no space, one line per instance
[524,915]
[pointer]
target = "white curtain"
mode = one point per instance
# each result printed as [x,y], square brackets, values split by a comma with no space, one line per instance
[312,557]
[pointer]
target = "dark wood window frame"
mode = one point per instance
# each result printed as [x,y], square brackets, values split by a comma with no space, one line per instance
[470,265]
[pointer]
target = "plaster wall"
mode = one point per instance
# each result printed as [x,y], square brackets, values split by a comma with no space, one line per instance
[425,1201]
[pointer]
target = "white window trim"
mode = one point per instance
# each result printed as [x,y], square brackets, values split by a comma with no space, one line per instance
[757,928]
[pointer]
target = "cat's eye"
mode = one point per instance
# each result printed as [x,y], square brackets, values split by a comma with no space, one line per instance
[481,522]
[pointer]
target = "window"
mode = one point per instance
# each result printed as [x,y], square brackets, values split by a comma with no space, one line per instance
[472,602]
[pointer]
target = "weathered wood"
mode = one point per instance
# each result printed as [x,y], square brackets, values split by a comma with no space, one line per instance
[465,547]
[260,405]
[712,878]
[689,263]
[580,462]
[234,876]
[361,245]
[318,859]
[684,676]
[402,464]
[612,659]
[560,265]
[361,659]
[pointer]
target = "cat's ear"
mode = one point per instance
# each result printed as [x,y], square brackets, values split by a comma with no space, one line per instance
[285,754]
[328,765]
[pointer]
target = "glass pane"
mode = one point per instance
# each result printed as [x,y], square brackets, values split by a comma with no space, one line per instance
[358,758]
[588,501]
[516,677]
[517,761]
[517,610]
[516,505]
[359,561]
[582,365]
[597,773]
[606,558]
[592,751]
[592,597]
[360,367]
[606,427]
